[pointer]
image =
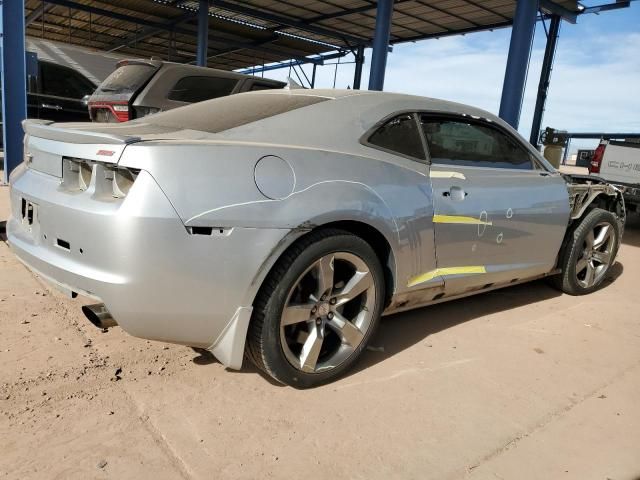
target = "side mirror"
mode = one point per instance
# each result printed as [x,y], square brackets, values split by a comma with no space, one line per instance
[85,100]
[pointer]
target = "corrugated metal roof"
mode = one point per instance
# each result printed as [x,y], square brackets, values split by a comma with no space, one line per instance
[254,32]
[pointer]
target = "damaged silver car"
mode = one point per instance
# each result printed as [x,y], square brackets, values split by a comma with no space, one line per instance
[282,225]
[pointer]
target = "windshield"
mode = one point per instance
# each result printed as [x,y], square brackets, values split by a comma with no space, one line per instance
[127,79]
[224,113]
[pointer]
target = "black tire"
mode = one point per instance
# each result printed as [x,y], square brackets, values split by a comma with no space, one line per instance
[264,345]
[574,249]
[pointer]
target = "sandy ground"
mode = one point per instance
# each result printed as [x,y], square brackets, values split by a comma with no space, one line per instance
[522,383]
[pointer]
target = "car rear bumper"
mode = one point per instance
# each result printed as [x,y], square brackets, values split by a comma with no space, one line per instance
[158,280]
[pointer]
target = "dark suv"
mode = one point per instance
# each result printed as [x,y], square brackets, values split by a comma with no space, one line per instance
[141,87]
[56,93]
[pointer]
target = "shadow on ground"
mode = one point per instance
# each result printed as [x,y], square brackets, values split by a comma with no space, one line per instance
[401,331]
[631,234]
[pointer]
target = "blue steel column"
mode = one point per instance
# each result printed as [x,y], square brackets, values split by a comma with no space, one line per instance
[545,76]
[384,14]
[203,33]
[515,76]
[357,75]
[14,85]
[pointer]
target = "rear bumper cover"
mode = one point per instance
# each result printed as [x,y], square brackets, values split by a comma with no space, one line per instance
[158,281]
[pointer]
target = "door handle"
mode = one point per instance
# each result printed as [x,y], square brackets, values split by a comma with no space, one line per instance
[51,106]
[455,193]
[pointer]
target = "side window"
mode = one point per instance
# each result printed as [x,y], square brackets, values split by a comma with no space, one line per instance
[399,135]
[63,82]
[197,89]
[458,142]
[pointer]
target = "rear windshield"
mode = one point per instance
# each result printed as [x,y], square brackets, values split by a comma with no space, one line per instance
[127,79]
[224,113]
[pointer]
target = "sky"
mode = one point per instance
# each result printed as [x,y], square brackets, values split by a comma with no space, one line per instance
[595,83]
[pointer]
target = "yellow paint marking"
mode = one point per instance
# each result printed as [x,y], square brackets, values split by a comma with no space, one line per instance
[459,219]
[443,272]
[438,174]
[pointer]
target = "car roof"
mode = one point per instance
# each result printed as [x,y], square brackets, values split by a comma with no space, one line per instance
[195,69]
[345,118]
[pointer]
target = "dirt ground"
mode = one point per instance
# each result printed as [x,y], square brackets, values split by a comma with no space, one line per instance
[522,383]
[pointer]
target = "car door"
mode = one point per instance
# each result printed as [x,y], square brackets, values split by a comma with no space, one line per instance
[499,216]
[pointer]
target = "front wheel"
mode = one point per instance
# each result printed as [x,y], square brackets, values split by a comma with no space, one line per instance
[317,309]
[589,253]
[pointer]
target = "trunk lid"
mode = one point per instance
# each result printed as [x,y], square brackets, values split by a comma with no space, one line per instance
[47,145]
[84,156]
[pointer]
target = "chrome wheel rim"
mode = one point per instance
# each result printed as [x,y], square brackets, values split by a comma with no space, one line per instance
[597,251]
[328,312]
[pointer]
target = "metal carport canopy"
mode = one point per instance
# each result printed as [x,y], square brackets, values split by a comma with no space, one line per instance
[254,32]
[234,34]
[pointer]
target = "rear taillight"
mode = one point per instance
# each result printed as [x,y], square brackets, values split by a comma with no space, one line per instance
[596,160]
[119,111]
[122,112]
[109,180]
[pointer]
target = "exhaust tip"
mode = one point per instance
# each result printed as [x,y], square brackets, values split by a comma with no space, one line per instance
[99,315]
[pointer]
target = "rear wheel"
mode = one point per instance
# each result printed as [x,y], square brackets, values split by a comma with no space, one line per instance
[589,253]
[317,309]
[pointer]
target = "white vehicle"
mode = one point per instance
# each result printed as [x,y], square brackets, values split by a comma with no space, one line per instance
[619,164]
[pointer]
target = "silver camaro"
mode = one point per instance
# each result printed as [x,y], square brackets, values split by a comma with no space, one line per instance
[281,225]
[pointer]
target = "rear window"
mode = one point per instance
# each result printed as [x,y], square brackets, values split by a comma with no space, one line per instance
[198,89]
[127,78]
[224,113]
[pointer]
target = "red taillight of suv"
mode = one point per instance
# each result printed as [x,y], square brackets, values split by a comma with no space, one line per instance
[596,160]
[109,111]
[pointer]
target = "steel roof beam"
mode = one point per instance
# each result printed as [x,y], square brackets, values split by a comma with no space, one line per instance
[161,26]
[37,13]
[149,32]
[485,8]
[450,33]
[290,22]
[565,13]
[607,6]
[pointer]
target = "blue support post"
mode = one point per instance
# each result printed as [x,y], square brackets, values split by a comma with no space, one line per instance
[14,85]
[384,15]
[203,33]
[357,75]
[515,76]
[545,78]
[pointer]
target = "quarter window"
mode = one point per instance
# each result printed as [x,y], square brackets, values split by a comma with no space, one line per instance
[197,89]
[399,135]
[469,143]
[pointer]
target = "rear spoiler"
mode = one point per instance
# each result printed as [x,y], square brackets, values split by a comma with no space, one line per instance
[139,61]
[44,129]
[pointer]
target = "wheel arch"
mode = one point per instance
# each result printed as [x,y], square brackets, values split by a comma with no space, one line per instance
[370,234]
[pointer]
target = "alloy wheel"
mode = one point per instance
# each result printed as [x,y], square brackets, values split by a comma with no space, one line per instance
[328,312]
[596,255]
